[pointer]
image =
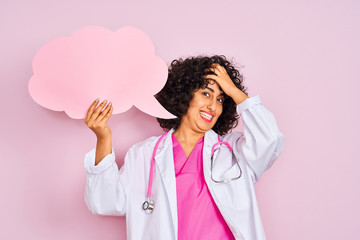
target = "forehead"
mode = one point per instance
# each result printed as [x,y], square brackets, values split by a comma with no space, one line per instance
[213,85]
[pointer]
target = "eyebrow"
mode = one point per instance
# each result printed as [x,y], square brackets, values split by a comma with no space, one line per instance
[212,90]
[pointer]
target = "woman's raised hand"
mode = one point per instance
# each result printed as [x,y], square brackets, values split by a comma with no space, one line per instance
[227,85]
[96,119]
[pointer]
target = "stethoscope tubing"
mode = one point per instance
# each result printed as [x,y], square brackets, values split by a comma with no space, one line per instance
[152,165]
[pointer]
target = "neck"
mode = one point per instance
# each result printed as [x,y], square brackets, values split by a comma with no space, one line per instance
[187,136]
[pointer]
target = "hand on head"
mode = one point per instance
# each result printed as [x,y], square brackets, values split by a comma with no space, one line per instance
[221,77]
[226,84]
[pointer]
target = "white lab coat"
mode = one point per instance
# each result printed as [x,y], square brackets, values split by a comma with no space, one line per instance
[113,192]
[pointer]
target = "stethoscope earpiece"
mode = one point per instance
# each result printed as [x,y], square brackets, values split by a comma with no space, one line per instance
[148,206]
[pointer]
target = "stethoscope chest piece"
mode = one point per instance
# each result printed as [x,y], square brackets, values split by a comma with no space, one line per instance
[148,206]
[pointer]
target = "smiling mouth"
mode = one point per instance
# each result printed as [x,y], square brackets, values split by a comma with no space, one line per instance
[206,116]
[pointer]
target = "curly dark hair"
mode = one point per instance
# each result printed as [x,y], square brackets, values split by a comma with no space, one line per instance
[186,76]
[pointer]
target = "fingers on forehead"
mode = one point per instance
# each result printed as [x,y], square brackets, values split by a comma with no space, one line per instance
[210,72]
[211,81]
[215,67]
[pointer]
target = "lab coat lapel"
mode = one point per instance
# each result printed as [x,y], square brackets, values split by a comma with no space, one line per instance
[165,163]
[210,139]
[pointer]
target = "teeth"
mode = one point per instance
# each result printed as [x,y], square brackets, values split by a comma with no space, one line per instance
[205,115]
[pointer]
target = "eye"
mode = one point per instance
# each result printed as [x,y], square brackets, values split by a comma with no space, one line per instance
[221,100]
[206,94]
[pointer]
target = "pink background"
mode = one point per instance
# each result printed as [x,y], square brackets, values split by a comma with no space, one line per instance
[301,58]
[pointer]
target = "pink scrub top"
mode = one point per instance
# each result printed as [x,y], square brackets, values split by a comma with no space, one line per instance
[198,215]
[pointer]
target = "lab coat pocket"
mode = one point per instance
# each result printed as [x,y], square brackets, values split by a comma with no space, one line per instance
[221,164]
[234,190]
[233,173]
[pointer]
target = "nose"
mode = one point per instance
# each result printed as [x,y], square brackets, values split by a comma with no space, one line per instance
[212,105]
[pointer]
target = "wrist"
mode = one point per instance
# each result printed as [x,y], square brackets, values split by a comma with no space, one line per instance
[104,138]
[237,95]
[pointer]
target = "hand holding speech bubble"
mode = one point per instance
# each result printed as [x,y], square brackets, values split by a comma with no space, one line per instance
[94,62]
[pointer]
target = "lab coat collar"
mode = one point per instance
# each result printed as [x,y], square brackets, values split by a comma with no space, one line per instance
[210,139]
[165,163]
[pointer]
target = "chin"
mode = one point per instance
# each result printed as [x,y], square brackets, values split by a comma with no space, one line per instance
[206,128]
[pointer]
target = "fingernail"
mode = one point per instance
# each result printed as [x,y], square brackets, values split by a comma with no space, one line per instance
[97,99]
[110,104]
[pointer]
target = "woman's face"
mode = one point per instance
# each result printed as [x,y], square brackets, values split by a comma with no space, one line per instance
[205,108]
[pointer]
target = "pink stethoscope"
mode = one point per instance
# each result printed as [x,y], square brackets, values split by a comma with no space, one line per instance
[149,205]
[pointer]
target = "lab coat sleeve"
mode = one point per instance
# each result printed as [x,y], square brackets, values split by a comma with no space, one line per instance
[106,186]
[262,142]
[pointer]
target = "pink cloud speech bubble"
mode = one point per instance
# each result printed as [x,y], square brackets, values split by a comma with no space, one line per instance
[94,62]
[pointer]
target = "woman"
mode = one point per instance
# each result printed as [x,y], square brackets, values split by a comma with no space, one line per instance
[201,188]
